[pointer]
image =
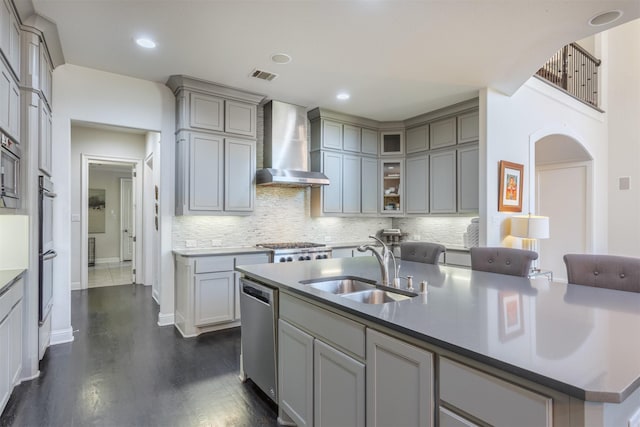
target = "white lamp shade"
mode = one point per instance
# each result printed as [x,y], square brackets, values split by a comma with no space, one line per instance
[530,227]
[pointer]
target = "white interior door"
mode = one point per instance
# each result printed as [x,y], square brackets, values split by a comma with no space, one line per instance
[563,195]
[127,219]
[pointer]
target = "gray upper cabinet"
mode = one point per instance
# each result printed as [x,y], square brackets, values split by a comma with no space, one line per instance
[239,172]
[417,184]
[468,127]
[331,135]
[442,133]
[206,155]
[206,112]
[351,184]
[332,193]
[369,186]
[443,182]
[369,141]
[468,179]
[240,118]
[45,140]
[418,139]
[10,36]
[9,103]
[351,138]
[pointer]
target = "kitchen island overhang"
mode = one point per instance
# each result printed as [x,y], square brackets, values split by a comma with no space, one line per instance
[576,340]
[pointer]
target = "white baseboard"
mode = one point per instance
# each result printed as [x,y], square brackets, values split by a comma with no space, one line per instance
[61,336]
[166,319]
[156,296]
[76,286]
[107,260]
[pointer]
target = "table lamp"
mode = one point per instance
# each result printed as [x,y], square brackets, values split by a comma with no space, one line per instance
[530,228]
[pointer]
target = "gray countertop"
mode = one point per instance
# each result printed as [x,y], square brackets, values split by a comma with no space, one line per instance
[7,277]
[578,340]
[221,251]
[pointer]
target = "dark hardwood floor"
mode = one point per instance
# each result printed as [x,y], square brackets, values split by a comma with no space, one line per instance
[124,370]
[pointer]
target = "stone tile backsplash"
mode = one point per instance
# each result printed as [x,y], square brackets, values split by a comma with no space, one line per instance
[281,215]
[448,231]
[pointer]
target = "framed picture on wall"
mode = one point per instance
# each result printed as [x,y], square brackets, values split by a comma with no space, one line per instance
[510,188]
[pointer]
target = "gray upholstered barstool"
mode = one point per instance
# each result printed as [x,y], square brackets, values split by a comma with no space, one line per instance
[515,262]
[604,271]
[425,252]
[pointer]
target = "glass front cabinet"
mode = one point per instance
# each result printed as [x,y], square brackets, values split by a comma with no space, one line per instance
[392,174]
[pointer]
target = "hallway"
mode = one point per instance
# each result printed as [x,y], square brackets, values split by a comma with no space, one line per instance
[124,370]
[109,274]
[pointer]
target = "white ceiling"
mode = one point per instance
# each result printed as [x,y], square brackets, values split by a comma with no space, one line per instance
[397,58]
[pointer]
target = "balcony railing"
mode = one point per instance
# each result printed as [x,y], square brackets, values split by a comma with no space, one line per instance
[576,71]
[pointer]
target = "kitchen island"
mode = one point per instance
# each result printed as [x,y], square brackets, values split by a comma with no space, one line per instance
[570,354]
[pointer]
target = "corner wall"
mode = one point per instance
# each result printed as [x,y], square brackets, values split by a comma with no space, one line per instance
[93,96]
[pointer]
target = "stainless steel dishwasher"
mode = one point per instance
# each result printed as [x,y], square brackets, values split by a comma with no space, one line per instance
[258,305]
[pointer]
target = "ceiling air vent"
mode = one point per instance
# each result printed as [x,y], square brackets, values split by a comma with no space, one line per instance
[263,75]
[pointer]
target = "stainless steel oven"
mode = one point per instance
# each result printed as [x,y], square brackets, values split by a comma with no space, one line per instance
[46,252]
[9,173]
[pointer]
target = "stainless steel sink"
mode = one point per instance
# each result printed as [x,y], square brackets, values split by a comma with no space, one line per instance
[376,296]
[340,285]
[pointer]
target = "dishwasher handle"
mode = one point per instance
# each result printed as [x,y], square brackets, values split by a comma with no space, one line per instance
[256,292]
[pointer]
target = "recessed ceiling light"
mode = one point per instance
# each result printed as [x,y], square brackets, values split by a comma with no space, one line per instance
[605,18]
[343,96]
[280,58]
[146,43]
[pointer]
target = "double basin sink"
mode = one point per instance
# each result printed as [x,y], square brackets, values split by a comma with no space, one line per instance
[359,289]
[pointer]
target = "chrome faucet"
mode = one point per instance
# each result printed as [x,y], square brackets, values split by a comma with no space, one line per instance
[382,256]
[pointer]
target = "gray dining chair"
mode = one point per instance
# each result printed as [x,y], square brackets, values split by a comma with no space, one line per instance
[604,271]
[425,252]
[511,261]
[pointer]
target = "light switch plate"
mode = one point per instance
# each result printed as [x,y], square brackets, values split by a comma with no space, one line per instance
[215,243]
[191,243]
[327,238]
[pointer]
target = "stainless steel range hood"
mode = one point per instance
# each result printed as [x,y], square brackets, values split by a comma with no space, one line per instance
[286,150]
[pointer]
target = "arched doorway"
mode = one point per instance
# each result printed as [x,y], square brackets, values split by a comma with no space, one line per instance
[563,193]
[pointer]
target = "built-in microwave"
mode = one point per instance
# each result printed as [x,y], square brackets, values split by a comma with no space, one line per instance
[9,173]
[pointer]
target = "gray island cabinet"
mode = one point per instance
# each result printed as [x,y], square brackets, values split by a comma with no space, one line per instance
[477,349]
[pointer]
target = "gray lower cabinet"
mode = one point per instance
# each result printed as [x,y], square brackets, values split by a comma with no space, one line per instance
[417,184]
[339,392]
[317,384]
[214,298]
[442,174]
[11,312]
[400,383]
[351,184]
[490,399]
[214,174]
[207,291]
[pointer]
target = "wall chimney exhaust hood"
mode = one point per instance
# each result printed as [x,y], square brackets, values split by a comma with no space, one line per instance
[286,151]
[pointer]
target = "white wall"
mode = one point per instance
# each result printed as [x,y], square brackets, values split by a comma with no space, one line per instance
[151,178]
[93,96]
[513,125]
[624,138]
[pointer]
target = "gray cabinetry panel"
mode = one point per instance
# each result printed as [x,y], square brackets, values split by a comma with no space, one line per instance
[399,383]
[46,74]
[369,186]
[9,103]
[239,171]
[491,399]
[240,118]
[5,384]
[351,182]
[10,36]
[295,373]
[468,179]
[392,143]
[351,138]
[339,391]
[45,140]
[369,141]
[468,127]
[332,193]
[418,139]
[15,343]
[417,184]
[442,133]
[443,182]
[450,419]
[206,112]
[205,172]
[214,298]
[331,135]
